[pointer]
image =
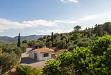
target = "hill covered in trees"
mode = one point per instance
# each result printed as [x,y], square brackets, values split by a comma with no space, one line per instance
[77,37]
[88,52]
[6,39]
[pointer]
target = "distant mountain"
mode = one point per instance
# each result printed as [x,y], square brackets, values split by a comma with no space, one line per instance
[6,39]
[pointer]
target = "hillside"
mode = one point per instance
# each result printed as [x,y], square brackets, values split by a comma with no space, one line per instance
[6,39]
[78,37]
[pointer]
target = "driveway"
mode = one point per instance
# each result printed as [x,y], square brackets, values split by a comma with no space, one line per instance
[25,60]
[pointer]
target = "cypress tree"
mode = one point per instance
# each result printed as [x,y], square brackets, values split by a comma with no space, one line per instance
[18,43]
[52,38]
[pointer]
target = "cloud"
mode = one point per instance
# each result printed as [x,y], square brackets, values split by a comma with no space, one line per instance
[90,17]
[39,22]
[98,18]
[8,24]
[73,1]
[66,21]
[42,26]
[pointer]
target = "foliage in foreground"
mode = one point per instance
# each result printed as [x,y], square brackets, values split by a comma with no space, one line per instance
[94,60]
[27,70]
[8,61]
[10,56]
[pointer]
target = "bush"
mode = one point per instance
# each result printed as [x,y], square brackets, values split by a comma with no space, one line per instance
[8,61]
[27,70]
[52,68]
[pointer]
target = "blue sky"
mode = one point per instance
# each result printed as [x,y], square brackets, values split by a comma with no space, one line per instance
[45,16]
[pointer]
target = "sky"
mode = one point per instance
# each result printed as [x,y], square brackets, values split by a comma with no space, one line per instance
[41,17]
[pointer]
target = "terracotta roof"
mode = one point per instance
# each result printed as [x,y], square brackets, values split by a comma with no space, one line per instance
[42,50]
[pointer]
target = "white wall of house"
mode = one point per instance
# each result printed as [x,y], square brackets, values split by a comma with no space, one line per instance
[31,54]
[41,57]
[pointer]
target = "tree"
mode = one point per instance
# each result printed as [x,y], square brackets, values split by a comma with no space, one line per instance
[52,38]
[49,44]
[18,43]
[77,28]
[24,41]
[101,44]
[98,30]
[107,27]
[52,68]
[8,61]
[31,43]
[13,49]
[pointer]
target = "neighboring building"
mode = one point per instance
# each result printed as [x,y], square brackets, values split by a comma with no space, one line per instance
[41,54]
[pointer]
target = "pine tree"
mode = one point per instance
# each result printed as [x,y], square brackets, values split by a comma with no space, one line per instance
[18,43]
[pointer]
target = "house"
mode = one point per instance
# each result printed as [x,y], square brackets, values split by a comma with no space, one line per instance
[41,54]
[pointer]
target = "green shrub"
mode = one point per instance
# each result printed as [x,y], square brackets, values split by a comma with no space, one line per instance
[8,61]
[27,70]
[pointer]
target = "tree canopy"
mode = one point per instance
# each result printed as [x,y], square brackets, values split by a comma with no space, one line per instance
[93,60]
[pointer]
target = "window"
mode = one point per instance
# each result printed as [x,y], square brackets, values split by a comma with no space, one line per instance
[46,54]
